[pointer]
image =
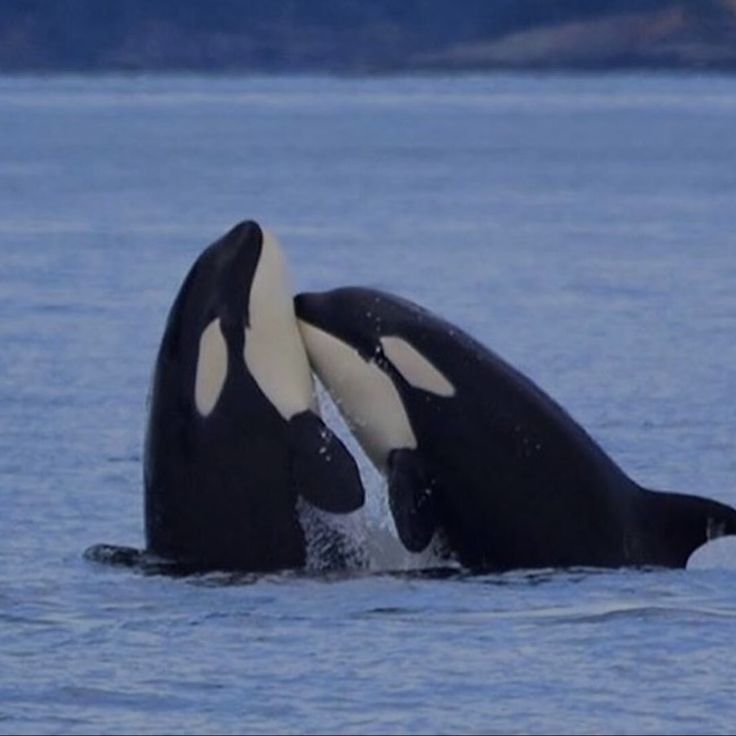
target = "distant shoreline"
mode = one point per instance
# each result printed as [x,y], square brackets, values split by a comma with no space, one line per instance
[628,71]
[380,38]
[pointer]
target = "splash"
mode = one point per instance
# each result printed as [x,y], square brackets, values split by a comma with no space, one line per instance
[366,539]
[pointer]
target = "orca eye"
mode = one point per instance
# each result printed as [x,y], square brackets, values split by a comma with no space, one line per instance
[373,353]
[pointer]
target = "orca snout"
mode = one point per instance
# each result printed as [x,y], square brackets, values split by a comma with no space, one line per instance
[309,306]
[245,233]
[342,313]
[240,247]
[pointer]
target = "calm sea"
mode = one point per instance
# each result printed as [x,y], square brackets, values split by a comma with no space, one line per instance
[584,228]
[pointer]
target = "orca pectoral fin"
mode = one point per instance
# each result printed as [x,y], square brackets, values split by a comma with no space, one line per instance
[140,560]
[323,470]
[411,500]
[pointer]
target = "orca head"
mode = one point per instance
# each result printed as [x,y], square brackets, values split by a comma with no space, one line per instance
[362,345]
[235,313]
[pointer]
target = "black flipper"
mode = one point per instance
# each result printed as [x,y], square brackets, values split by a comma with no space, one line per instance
[109,554]
[322,469]
[140,560]
[675,525]
[411,500]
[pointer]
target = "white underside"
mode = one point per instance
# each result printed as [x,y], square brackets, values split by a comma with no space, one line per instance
[274,353]
[364,394]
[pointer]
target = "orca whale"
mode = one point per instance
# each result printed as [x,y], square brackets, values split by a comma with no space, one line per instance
[234,437]
[473,449]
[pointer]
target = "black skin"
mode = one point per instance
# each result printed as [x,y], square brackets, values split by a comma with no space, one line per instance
[221,491]
[502,470]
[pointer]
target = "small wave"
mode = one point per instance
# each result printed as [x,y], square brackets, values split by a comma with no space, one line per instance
[124,459]
[636,612]
[9,618]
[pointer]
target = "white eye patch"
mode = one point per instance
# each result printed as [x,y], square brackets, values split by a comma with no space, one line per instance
[274,353]
[365,395]
[211,368]
[415,368]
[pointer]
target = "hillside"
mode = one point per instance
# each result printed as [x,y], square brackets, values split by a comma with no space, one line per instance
[359,36]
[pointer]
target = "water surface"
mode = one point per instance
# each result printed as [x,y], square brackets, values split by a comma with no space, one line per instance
[582,227]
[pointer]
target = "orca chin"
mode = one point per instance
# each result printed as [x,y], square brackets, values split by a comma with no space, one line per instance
[471,448]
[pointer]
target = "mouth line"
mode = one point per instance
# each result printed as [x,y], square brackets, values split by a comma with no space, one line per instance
[303,321]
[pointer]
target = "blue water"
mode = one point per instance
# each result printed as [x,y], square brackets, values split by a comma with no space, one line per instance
[584,228]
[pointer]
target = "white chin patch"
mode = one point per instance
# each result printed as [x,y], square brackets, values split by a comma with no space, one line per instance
[365,395]
[415,368]
[211,368]
[274,352]
[718,554]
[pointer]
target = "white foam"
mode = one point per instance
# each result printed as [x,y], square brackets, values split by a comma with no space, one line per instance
[371,540]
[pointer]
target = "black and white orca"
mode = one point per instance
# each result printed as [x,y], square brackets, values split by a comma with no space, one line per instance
[234,437]
[474,449]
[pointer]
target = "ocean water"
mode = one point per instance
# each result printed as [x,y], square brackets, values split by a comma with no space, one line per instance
[583,227]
